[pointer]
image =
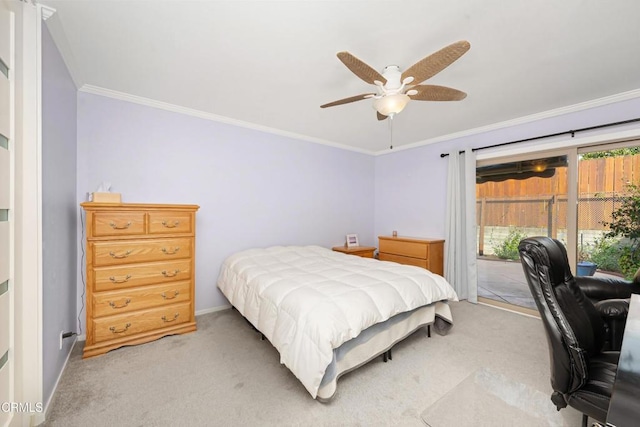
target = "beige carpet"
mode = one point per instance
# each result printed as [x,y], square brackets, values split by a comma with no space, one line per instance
[224,375]
[495,400]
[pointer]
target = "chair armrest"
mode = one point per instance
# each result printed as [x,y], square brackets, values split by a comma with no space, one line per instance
[604,288]
[614,313]
[612,308]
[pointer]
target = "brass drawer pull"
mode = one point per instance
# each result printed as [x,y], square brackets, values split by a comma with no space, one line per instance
[165,273]
[119,331]
[171,225]
[126,303]
[169,252]
[126,279]
[124,255]
[171,320]
[120,227]
[164,295]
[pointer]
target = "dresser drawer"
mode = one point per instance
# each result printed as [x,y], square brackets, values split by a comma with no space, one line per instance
[129,276]
[403,260]
[170,222]
[124,325]
[405,248]
[132,251]
[117,302]
[118,223]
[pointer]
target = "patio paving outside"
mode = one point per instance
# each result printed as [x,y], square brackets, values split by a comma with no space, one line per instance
[504,281]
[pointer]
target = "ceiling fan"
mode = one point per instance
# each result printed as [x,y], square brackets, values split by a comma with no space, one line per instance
[395,88]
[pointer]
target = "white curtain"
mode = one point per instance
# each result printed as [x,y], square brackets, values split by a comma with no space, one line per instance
[460,244]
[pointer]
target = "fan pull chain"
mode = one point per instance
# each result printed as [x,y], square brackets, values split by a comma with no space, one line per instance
[391,131]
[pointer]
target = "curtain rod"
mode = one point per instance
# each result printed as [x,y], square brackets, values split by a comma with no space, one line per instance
[572,132]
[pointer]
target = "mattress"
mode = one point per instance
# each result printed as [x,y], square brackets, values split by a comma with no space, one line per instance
[309,301]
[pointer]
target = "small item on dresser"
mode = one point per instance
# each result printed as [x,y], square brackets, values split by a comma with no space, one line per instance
[103,194]
[352,240]
[395,233]
[106,197]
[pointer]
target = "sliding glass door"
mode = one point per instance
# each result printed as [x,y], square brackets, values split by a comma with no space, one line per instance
[588,198]
[516,199]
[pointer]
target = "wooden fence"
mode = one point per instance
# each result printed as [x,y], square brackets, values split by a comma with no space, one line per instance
[595,176]
[542,202]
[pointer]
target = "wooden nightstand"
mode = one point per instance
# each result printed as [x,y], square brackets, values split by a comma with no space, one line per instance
[425,253]
[363,251]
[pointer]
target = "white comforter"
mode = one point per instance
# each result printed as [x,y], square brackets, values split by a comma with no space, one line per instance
[309,300]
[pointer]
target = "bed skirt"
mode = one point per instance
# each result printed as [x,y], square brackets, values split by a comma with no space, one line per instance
[379,338]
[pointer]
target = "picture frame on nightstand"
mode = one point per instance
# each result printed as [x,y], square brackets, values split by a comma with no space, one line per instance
[352,240]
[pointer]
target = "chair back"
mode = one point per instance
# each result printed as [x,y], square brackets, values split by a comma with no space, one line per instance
[573,327]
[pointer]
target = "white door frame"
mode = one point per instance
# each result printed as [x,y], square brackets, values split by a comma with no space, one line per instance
[28,376]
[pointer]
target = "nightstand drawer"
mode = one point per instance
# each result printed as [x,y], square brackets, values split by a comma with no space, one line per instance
[132,251]
[124,325]
[425,253]
[403,260]
[112,278]
[170,222]
[118,302]
[118,223]
[404,248]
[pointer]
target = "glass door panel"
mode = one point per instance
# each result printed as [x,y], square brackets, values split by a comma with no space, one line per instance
[608,181]
[516,199]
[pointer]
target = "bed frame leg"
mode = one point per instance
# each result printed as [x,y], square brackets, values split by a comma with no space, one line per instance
[390,357]
[261,337]
[429,331]
[384,357]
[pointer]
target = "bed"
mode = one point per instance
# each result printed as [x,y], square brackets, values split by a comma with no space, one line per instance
[328,313]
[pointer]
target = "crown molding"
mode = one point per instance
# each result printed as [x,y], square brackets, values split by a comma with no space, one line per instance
[96,90]
[54,25]
[624,96]
[46,11]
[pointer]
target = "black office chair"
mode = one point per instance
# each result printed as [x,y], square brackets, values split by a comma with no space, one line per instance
[582,372]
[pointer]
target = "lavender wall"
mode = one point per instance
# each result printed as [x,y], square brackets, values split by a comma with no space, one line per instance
[411,185]
[59,211]
[254,189]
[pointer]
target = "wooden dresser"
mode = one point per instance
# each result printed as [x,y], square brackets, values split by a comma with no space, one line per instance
[425,253]
[140,273]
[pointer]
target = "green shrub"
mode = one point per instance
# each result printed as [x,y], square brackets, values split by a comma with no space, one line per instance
[508,248]
[616,255]
[629,262]
[606,253]
[625,222]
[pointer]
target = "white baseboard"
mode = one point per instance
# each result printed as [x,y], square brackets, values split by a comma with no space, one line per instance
[43,416]
[213,309]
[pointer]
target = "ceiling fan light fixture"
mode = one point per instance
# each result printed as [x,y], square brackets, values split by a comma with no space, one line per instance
[391,104]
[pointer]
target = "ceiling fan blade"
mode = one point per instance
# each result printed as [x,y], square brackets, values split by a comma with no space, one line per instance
[347,100]
[437,93]
[436,62]
[381,116]
[360,69]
